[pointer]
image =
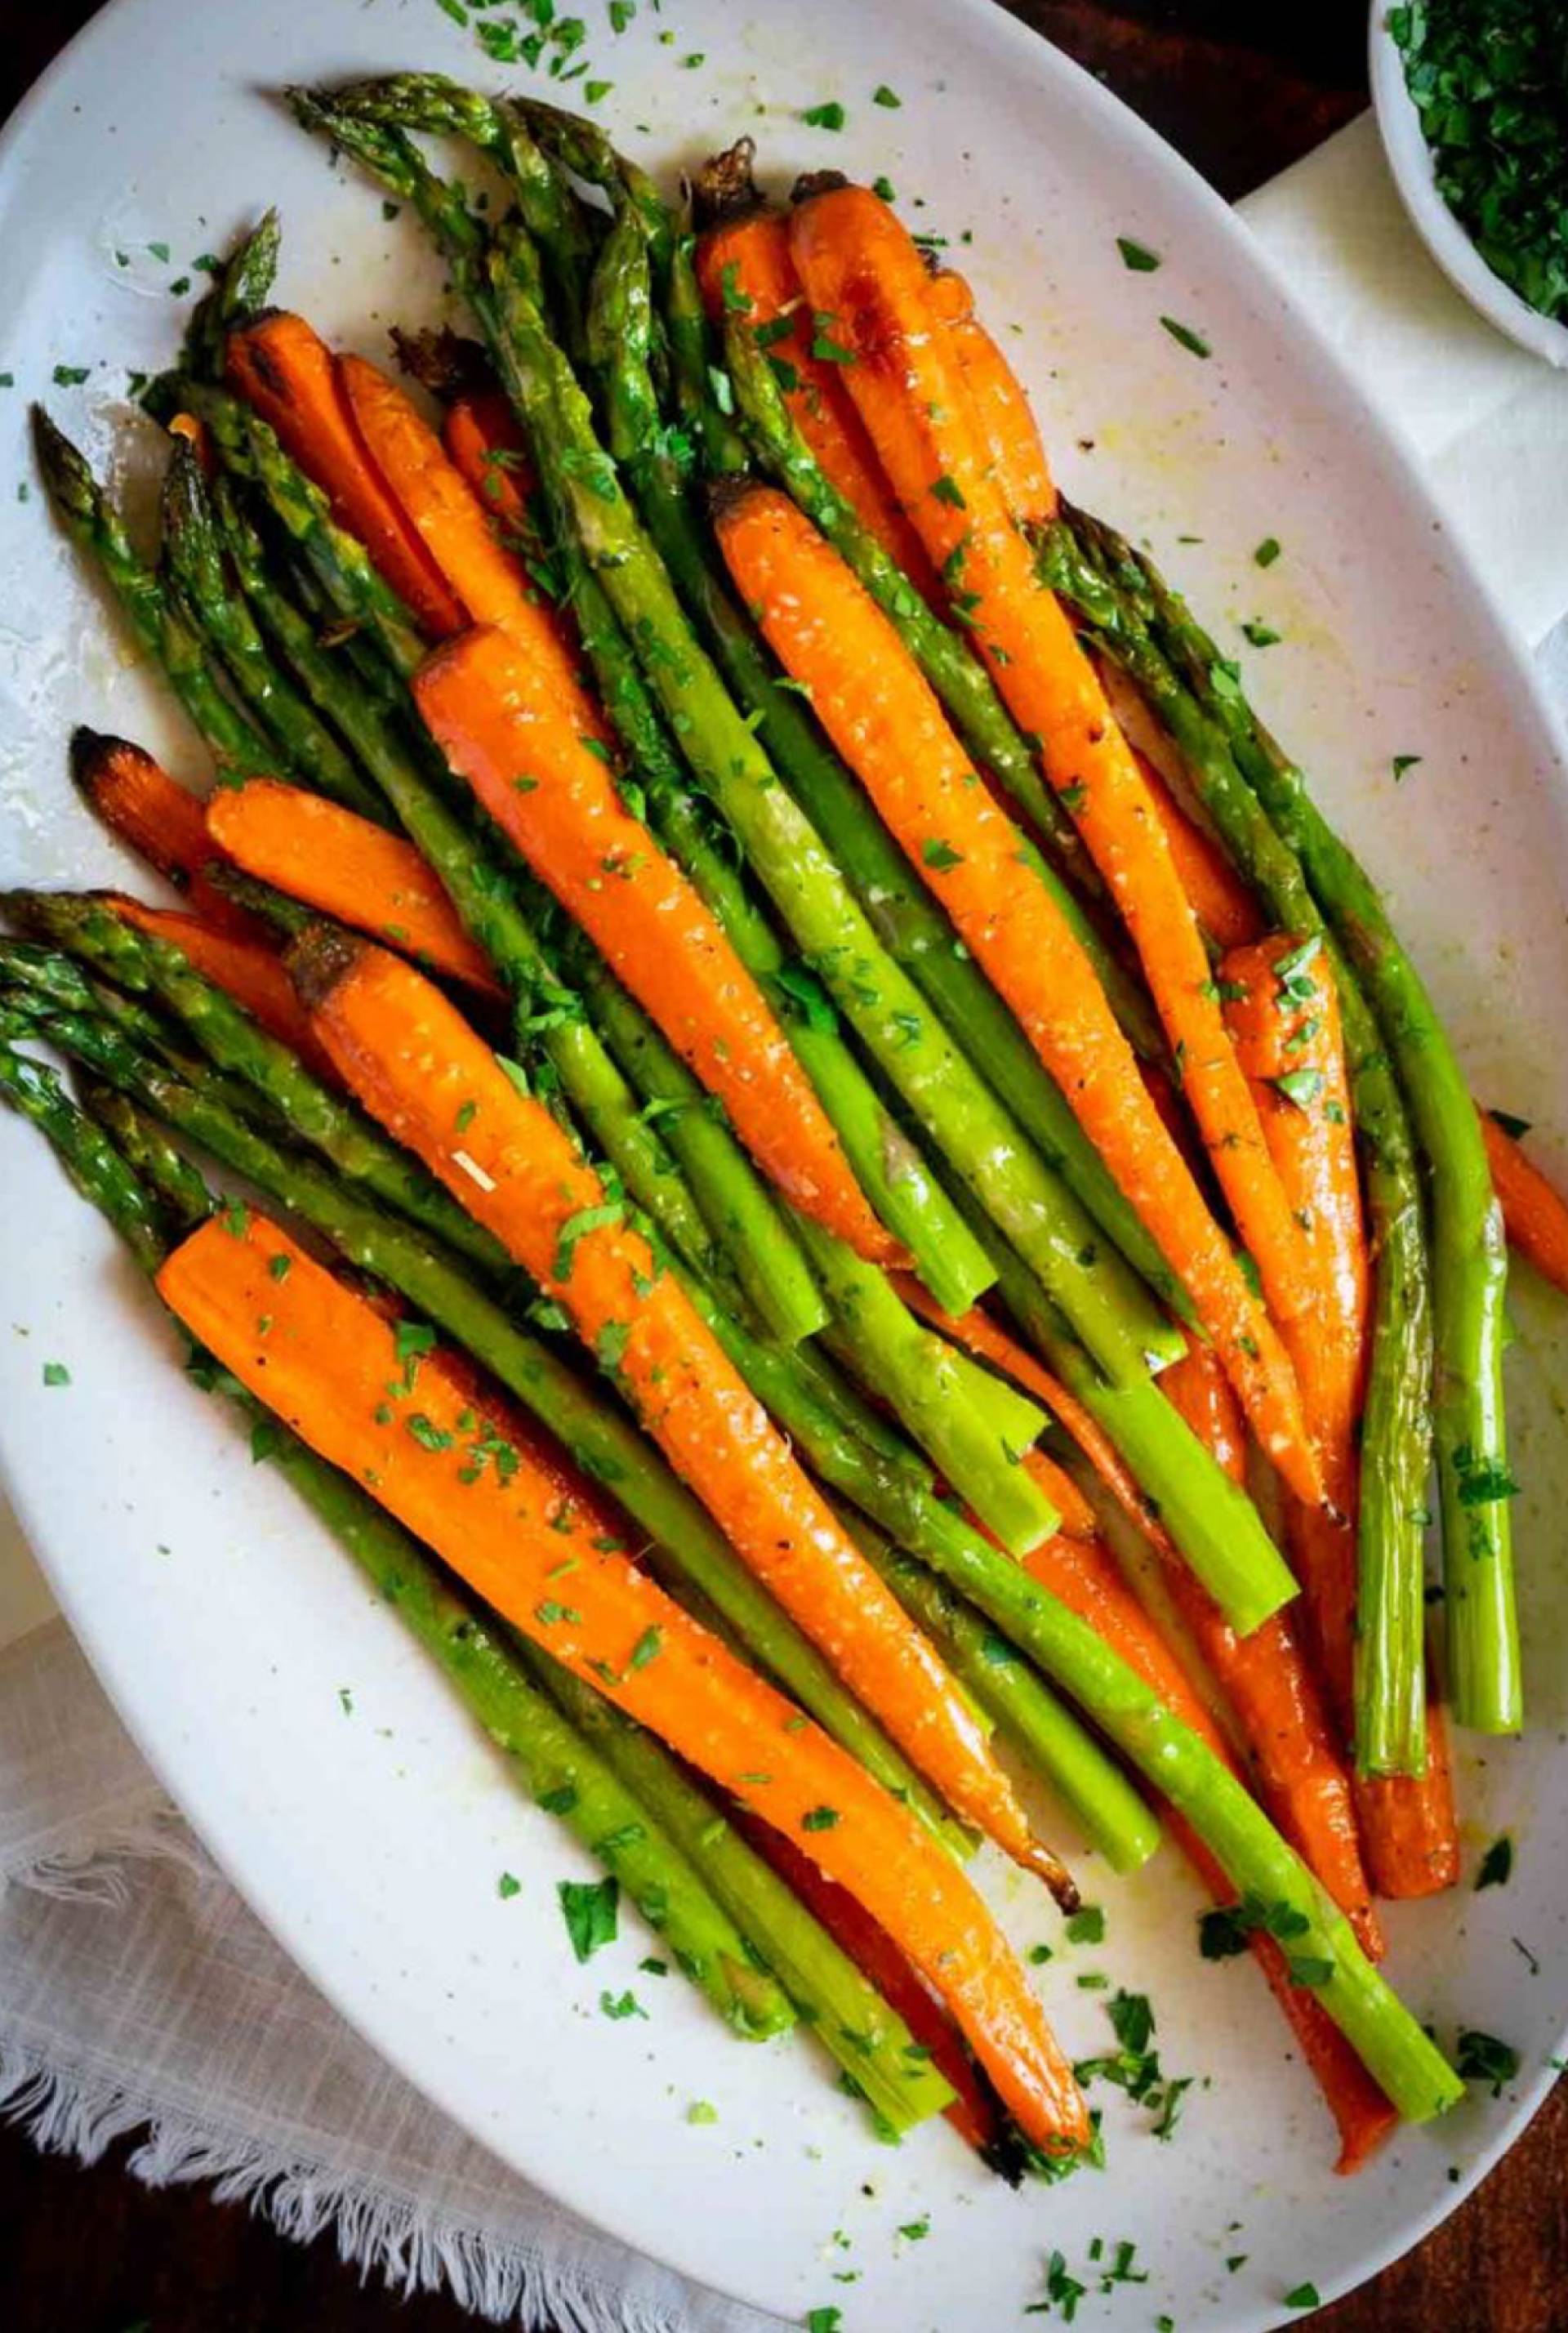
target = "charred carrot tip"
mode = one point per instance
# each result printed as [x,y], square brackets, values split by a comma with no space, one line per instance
[320,960]
[725,190]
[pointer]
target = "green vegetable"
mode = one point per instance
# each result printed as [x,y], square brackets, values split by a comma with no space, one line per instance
[688,1552]
[1487,79]
[843,2011]
[1113,593]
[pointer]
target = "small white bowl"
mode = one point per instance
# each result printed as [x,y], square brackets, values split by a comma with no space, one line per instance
[1410,157]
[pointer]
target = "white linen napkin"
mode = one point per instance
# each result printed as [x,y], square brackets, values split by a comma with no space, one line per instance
[136,1991]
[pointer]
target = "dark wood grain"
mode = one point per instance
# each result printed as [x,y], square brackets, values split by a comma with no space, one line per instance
[1242,91]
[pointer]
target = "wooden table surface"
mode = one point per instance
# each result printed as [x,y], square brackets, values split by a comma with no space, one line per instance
[1241,91]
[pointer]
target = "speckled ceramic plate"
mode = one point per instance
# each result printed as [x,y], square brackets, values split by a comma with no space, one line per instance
[222,1620]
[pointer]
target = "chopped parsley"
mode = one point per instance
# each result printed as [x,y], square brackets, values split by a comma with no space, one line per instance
[1087,1925]
[1304,2296]
[1485,77]
[620,2005]
[1515,1129]
[946,490]
[648,1648]
[66,376]
[55,1373]
[508,1886]
[819,1818]
[830,116]
[1496,1864]
[429,1435]
[576,1227]
[1402,762]
[1262,636]
[883,95]
[589,1908]
[1482,2058]
[940,855]
[1267,551]
[701,2110]
[1184,335]
[1137,255]
[278,1266]
[885,190]
[1301,1087]
[1483,1481]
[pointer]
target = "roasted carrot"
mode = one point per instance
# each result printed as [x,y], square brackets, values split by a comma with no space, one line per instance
[504,730]
[161,821]
[243,969]
[745,263]
[482,439]
[1224,907]
[1268,1686]
[453,525]
[859,263]
[418,1066]
[285,371]
[973,2112]
[462,1480]
[1003,416]
[886,722]
[1087,1577]
[1535,1213]
[340,863]
[1408,1822]
[979,1334]
[1077,1516]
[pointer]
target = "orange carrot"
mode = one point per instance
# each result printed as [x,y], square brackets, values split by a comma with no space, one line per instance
[1077,1516]
[493,712]
[323,1358]
[885,720]
[418,1066]
[1221,901]
[340,863]
[859,265]
[482,439]
[196,433]
[243,969]
[979,1334]
[1535,1213]
[285,371]
[1267,1686]
[161,821]
[1408,1822]
[1088,1579]
[453,525]
[973,2113]
[746,264]
[1001,415]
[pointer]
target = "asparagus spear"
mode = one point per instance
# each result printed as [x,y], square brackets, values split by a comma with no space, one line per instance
[843,2011]
[914,928]
[686,1544]
[507,912]
[199,580]
[89,929]
[88,1155]
[1108,1810]
[561,1769]
[238,748]
[915,1054]
[1469,1251]
[145,1145]
[242,287]
[896,1355]
[1090,568]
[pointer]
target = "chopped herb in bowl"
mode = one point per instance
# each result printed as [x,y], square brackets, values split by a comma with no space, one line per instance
[1488,81]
